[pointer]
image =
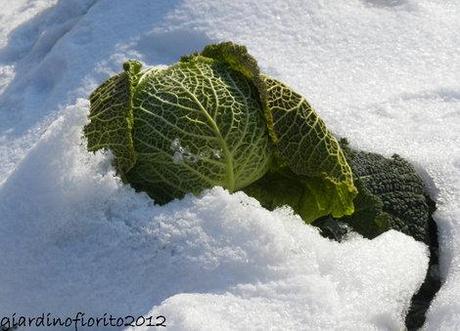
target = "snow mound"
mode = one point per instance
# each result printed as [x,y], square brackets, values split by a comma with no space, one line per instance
[80,240]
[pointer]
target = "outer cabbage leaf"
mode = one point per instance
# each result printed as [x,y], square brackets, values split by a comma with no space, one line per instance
[310,197]
[391,196]
[308,148]
[197,124]
[111,117]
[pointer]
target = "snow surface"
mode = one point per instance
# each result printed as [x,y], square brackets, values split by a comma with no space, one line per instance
[384,73]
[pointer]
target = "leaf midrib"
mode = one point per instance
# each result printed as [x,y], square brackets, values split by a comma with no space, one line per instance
[229,168]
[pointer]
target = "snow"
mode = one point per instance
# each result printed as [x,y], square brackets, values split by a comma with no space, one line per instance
[383,73]
[80,240]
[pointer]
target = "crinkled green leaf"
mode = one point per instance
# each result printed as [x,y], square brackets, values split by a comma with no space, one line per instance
[238,58]
[111,117]
[308,148]
[197,124]
[391,196]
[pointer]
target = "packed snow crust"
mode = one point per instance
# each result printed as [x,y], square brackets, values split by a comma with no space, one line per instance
[383,73]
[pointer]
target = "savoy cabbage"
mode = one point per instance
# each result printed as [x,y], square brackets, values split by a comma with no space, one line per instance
[214,119]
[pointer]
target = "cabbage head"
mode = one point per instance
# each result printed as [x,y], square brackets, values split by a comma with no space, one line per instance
[213,119]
